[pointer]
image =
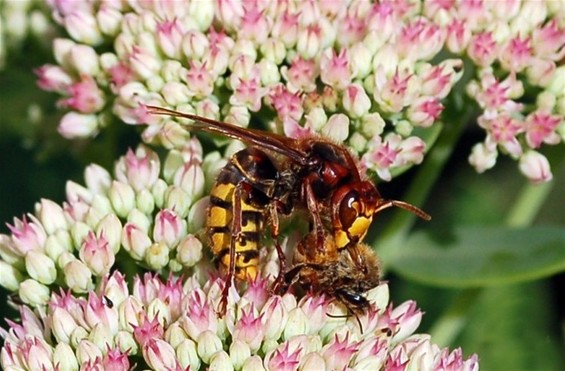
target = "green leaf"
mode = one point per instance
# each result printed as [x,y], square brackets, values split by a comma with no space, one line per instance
[514,328]
[481,256]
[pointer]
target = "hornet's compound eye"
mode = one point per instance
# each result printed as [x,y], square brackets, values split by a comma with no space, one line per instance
[349,209]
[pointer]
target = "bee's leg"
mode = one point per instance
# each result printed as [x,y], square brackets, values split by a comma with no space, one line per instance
[235,238]
[316,220]
[289,279]
[274,218]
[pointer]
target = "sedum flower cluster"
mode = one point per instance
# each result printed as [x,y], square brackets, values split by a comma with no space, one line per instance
[370,75]
[147,219]
[168,325]
[79,312]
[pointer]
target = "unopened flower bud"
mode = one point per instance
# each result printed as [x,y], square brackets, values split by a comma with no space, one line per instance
[98,179]
[122,197]
[157,255]
[10,277]
[141,220]
[135,241]
[33,293]
[77,125]
[313,362]
[125,341]
[221,361]
[535,167]
[110,228]
[78,277]
[87,351]
[82,27]
[253,363]
[51,216]
[64,357]
[189,251]
[84,60]
[97,254]
[297,323]
[101,336]
[337,127]
[40,267]
[178,200]
[187,354]
[208,344]
[109,20]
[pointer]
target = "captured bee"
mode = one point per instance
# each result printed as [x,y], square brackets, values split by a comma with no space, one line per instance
[275,176]
[333,272]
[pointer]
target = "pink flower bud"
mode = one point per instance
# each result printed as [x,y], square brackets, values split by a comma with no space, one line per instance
[36,353]
[33,293]
[541,128]
[201,315]
[26,236]
[229,13]
[139,169]
[135,241]
[482,49]
[169,36]
[255,26]
[97,254]
[75,125]
[199,80]
[535,167]
[249,328]
[285,357]
[169,228]
[408,317]
[458,36]
[82,27]
[338,353]
[334,69]
[53,78]
[285,103]
[40,267]
[85,97]
[424,111]
[309,42]
[51,216]
[78,277]
[195,45]
[356,101]
[248,93]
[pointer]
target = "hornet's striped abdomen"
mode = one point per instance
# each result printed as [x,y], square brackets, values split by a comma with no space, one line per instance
[246,185]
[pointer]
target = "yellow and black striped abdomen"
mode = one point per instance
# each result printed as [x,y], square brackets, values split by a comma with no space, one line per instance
[249,170]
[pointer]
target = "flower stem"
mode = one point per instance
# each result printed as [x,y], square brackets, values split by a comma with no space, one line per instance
[427,175]
[454,319]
